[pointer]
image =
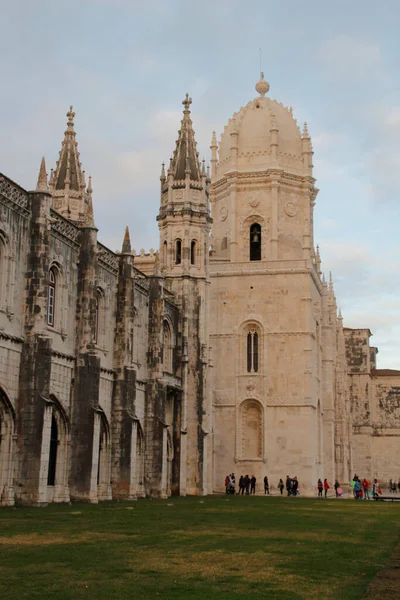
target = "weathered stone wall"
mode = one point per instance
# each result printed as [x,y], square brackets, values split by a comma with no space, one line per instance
[386,421]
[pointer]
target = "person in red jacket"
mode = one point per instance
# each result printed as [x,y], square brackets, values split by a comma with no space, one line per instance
[365,487]
[326,486]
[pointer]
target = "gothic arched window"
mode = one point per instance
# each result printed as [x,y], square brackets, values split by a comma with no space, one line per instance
[167,347]
[252,351]
[193,248]
[178,252]
[51,297]
[99,319]
[255,241]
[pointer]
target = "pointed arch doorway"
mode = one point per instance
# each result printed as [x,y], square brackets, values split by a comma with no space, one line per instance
[7,427]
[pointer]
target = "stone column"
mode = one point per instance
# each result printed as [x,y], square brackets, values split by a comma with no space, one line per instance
[85,397]
[34,379]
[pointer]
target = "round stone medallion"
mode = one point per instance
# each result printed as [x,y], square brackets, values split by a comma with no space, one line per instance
[290,208]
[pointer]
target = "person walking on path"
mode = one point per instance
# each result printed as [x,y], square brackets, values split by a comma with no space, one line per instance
[336,486]
[281,486]
[365,487]
[253,485]
[247,484]
[326,486]
[320,487]
[295,485]
[241,485]
[266,486]
[288,485]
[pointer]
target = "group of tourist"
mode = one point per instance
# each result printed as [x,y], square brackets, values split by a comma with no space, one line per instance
[247,485]
[361,488]
[393,487]
[323,487]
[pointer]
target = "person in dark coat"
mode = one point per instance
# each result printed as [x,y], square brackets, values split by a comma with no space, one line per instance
[266,486]
[288,485]
[253,485]
[241,485]
[247,484]
[295,485]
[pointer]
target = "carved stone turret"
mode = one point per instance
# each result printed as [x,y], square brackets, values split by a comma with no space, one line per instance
[67,182]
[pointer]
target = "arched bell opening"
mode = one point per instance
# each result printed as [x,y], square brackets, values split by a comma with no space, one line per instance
[255,241]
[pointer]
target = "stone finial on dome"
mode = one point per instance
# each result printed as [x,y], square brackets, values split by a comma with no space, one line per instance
[262,86]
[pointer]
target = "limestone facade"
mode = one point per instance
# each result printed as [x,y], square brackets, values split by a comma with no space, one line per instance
[123,376]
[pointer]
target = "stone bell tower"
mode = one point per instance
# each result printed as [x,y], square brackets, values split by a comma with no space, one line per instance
[273,412]
[184,222]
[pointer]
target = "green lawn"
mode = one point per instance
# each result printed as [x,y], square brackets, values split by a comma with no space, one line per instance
[201,548]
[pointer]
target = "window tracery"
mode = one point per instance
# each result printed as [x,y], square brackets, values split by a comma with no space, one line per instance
[51,297]
[252,349]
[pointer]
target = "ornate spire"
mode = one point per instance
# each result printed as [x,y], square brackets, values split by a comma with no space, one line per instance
[42,185]
[68,171]
[185,161]
[126,245]
[162,176]
[305,134]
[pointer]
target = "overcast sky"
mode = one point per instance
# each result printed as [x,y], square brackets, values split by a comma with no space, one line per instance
[126,65]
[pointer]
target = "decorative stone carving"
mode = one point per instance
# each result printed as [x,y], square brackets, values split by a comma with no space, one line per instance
[223,213]
[291,208]
[254,200]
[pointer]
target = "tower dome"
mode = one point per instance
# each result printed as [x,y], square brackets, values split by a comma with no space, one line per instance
[250,136]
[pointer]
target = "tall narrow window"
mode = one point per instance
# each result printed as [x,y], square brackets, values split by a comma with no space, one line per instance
[252,351]
[51,474]
[193,246]
[99,319]
[255,242]
[165,248]
[167,347]
[255,352]
[249,352]
[51,297]
[178,252]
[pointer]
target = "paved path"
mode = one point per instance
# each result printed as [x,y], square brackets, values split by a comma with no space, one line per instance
[386,585]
